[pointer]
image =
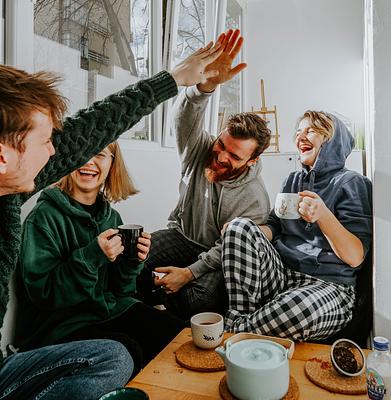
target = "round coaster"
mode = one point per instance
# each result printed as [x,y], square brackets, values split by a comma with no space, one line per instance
[192,357]
[320,371]
[293,391]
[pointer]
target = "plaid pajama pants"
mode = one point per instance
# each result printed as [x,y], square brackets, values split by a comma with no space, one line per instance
[269,298]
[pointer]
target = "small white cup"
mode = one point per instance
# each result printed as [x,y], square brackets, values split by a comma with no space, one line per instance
[207,329]
[287,205]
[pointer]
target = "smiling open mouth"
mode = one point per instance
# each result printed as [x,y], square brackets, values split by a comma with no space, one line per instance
[87,172]
[305,147]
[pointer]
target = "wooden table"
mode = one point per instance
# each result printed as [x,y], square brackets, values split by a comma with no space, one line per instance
[164,379]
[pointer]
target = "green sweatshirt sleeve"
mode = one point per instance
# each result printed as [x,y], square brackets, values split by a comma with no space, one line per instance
[53,281]
[92,129]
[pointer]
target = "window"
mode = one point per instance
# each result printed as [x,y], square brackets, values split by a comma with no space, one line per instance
[230,93]
[193,23]
[185,31]
[101,46]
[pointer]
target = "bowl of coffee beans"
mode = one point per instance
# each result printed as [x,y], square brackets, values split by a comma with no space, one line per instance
[347,357]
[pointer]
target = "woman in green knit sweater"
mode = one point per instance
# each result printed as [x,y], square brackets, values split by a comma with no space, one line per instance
[72,282]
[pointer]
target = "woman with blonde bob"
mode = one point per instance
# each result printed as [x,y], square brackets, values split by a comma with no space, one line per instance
[296,278]
[73,283]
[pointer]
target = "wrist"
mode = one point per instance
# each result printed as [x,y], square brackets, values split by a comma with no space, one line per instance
[206,88]
[189,274]
[176,78]
[325,217]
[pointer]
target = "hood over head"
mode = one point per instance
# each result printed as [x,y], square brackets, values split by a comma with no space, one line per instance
[334,152]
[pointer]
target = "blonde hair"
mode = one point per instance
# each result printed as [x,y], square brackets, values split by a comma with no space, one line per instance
[320,123]
[118,184]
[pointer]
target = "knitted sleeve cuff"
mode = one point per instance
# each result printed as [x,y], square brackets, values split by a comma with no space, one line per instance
[163,86]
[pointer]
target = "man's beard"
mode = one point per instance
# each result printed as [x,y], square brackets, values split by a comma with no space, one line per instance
[225,173]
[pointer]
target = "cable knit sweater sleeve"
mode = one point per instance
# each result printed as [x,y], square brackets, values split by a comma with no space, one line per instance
[93,128]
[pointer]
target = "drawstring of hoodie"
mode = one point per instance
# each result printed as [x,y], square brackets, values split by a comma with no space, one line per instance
[311,182]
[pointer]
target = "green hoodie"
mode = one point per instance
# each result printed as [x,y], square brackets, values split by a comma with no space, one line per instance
[64,280]
[83,135]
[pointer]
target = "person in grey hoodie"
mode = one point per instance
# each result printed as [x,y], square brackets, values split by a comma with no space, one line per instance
[296,278]
[220,180]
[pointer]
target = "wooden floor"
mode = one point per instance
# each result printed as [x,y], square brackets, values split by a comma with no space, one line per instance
[164,379]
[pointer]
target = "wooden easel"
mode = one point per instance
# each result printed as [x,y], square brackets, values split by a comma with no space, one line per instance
[264,112]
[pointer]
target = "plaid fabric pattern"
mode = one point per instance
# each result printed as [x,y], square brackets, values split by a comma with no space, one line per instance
[269,298]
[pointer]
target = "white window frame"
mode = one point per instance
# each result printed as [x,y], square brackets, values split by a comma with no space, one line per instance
[19,31]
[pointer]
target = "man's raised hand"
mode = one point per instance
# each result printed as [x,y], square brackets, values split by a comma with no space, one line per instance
[231,43]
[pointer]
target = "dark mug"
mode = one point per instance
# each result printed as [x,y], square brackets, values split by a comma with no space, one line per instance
[125,394]
[129,237]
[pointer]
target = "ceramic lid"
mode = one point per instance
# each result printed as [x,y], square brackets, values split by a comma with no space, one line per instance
[257,354]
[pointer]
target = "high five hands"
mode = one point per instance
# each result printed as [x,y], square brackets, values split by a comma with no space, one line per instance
[231,44]
[212,64]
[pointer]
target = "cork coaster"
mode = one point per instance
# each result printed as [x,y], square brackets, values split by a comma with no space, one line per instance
[293,391]
[191,357]
[320,371]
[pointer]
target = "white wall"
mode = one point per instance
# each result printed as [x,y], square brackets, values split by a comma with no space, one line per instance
[309,53]
[382,164]
[156,173]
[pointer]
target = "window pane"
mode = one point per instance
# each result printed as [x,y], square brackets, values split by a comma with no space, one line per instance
[100,46]
[186,35]
[230,96]
[191,29]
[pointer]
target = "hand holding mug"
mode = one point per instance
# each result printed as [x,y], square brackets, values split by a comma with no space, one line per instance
[110,243]
[143,246]
[135,244]
[312,207]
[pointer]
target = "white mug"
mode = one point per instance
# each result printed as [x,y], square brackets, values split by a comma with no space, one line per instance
[287,205]
[207,329]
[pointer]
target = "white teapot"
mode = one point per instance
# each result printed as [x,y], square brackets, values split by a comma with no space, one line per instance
[257,369]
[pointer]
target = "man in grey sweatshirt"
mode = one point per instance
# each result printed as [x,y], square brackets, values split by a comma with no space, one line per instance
[220,180]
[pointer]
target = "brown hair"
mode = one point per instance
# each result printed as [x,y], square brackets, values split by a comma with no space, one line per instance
[118,184]
[320,123]
[248,125]
[21,94]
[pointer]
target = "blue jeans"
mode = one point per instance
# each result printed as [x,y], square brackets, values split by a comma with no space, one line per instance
[82,370]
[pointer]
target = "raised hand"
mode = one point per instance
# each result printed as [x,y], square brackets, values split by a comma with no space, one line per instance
[231,43]
[192,70]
